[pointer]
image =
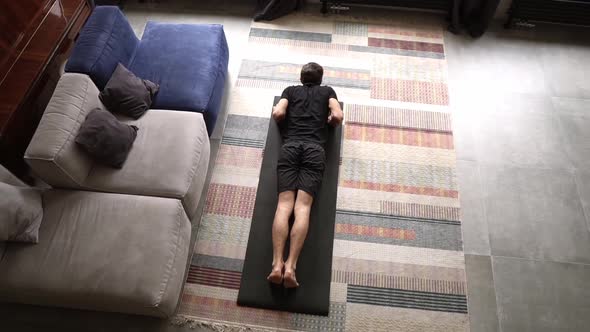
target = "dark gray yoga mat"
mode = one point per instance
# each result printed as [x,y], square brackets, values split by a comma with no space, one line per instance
[314,268]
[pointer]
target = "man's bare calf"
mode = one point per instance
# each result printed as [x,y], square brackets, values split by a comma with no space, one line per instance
[298,235]
[280,231]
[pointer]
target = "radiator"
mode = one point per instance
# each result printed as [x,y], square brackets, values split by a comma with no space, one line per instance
[576,12]
[436,5]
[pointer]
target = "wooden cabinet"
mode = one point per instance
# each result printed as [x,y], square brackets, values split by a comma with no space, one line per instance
[36,37]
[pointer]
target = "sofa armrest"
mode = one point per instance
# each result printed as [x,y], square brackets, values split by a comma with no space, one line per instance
[53,154]
[106,40]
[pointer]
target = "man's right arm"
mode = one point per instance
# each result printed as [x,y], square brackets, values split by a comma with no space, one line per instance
[279,112]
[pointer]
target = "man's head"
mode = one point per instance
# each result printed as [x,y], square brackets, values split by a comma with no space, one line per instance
[312,73]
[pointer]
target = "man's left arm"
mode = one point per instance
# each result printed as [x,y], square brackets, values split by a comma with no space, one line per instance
[336,115]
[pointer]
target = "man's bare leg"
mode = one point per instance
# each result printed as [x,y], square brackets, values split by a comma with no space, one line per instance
[280,231]
[298,234]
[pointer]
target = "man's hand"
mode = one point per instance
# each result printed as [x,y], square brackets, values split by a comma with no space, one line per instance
[336,115]
[279,112]
[332,120]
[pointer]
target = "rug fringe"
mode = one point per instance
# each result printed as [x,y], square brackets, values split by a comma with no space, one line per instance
[193,323]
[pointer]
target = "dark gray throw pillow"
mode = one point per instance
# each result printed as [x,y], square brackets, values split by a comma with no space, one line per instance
[128,94]
[105,138]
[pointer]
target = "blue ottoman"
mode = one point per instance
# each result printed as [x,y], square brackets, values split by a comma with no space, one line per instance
[188,61]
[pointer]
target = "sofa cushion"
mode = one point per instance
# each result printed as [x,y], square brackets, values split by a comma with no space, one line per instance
[128,94]
[189,62]
[9,178]
[53,154]
[106,139]
[169,159]
[21,213]
[105,252]
[105,40]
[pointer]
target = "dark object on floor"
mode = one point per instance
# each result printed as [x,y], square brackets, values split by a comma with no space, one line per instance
[473,15]
[268,10]
[438,5]
[109,2]
[188,61]
[522,12]
[314,269]
[105,138]
[127,94]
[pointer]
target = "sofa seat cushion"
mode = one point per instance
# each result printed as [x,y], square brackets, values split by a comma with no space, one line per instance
[169,158]
[189,62]
[99,251]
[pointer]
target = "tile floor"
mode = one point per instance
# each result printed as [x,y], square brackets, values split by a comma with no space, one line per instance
[521,111]
[521,115]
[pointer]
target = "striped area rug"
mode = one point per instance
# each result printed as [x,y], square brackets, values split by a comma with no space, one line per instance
[398,262]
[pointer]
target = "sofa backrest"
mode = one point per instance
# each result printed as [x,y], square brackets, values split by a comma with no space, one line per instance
[52,154]
[106,40]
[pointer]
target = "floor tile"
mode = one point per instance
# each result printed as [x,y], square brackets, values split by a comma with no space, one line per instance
[571,106]
[477,117]
[567,69]
[495,64]
[583,183]
[577,139]
[520,139]
[473,220]
[137,20]
[481,295]
[507,104]
[535,214]
[463,133]
[517,67]
[535,296]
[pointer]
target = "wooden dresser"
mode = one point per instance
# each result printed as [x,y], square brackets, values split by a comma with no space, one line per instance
[36,37]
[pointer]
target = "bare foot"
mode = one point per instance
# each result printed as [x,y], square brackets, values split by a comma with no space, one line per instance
[289,279]
[276,275]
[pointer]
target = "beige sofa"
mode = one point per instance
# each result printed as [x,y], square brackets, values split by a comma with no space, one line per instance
[110,240]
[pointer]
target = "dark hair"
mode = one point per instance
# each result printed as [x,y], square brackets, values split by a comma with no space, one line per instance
[312,73]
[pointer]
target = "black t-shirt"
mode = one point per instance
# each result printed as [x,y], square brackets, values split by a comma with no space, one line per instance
[307,113]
